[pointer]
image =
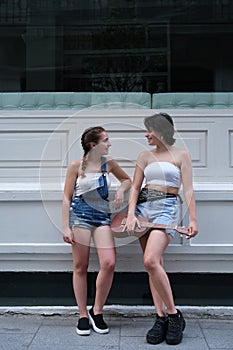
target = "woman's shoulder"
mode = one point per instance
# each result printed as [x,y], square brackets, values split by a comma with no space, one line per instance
[74,165]
[181,151]
[180,154]
[143,159]
[144,154]
[111,162]
[107,158]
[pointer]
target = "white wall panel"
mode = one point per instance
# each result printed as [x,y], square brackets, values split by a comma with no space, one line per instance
[230,148]
[28,222]
[26,149]
[197,145]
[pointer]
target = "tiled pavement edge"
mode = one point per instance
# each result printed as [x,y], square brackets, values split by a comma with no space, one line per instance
[57,332]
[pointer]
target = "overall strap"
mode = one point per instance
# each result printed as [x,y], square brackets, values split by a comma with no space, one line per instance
[103,165]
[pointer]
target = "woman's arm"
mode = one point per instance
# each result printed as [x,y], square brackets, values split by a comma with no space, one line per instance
[132,221]
[187,180]
[135,189]
[71,176]
[124,179]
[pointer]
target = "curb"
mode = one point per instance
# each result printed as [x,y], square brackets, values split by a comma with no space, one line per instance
[218,312]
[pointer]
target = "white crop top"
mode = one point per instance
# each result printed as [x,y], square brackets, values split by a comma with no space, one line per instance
[162,174]
[88,183]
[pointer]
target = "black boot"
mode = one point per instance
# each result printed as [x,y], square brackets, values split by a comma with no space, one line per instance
[157,333]
[176,325]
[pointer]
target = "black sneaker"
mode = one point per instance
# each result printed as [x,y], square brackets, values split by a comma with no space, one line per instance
[157,333]
[83,326]
[176,325]
[97,322]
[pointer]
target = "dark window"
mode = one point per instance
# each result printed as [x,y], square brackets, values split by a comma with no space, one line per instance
[124,45]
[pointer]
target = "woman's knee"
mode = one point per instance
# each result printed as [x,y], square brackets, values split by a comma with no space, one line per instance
[151,264]
[80,268]
[108,265]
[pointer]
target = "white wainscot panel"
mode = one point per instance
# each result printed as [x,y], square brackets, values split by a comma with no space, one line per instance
[25,149]
[126,148]
[215,223]
[29,222]
[196,143]
[231,148]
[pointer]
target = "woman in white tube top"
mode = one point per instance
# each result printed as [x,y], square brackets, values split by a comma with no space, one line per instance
[163,169]
[86,214]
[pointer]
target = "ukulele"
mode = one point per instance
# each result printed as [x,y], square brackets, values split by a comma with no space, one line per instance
[119,221]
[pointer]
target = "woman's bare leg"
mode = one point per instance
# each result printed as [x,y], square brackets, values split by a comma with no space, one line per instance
[107,258]
[156,244]
[81,252]
[158,302]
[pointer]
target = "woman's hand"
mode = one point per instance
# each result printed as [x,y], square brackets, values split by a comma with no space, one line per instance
[68,236]
[118,199]
[193,229]
[131,223]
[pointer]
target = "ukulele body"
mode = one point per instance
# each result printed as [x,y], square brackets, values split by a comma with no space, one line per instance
[119,221]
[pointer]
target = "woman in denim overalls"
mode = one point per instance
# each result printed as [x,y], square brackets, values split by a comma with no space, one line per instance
[86,214]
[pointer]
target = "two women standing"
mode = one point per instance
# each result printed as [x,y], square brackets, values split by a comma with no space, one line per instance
[163,169]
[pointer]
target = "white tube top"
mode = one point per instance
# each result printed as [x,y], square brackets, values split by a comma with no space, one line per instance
[88,183]
[162,174]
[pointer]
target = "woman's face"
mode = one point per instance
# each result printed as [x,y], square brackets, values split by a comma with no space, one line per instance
[103,145]
[153,137]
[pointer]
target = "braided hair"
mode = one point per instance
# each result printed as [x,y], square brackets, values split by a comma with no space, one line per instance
[91,134]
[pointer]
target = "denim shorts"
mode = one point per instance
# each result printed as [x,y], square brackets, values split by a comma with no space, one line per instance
[85,215]
[164,211]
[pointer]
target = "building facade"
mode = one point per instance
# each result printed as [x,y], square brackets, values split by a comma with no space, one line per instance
[174,55]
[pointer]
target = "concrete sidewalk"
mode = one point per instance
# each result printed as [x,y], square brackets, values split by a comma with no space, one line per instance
[57,332]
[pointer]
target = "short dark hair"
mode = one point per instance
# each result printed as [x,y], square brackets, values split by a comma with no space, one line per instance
[162,123]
